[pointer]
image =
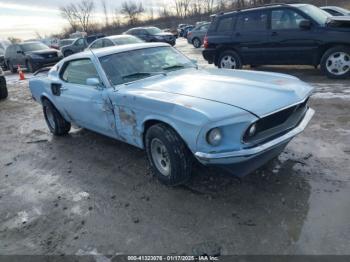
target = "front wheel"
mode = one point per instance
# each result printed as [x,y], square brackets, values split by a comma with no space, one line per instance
[56,123]
[169,158]
[3,88]
[335,63]
[196,43]
[30,67]
[230,60]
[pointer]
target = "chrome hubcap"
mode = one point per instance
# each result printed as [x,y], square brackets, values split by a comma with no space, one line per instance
[338,63]
[228,62]
[50,117]
[196,42]
[160,157]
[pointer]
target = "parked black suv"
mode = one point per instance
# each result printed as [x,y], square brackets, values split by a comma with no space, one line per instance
[3,87]
[152,34]
[281,34]
[31,55]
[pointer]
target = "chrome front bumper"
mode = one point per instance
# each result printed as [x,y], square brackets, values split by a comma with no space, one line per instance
[249,153]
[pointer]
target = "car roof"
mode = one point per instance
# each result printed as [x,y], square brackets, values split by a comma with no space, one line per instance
[268,6]
[118,36]
[116,49]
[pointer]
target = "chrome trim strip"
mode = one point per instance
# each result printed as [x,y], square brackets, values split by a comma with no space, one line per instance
[256,150]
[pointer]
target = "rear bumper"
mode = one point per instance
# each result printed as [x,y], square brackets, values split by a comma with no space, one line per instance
[247,160]
[209,55]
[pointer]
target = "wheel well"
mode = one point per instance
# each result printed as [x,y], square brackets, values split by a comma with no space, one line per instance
[223,49]
[153,122]
[325,48]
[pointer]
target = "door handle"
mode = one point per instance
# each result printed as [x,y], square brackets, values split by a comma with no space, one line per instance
[274,34]
[238,34]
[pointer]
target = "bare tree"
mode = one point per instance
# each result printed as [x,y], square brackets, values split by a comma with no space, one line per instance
[78,14]
[132,11]
[182,7]
[105,12]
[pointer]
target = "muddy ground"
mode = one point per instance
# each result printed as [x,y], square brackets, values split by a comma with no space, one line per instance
[89,194]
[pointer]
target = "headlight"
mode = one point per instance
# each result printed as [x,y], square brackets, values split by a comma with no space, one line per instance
[252,130]
[158,37]
[214,137]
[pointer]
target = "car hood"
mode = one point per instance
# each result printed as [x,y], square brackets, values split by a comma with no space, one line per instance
[43,52]
[339,22]
[259,93]
[164,34]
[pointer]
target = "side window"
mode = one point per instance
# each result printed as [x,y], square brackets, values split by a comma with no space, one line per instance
[97,44]
[80,42]
[78,71]
[252,21]
[333,12]
[107,42]
[204,27]
[225,25]
[285,19]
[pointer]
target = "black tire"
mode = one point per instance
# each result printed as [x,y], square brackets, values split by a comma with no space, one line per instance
[31,68]
[3,88]
[11,67]
[179,158]
[196,42]
[234,58]
[68,53]
[333,68]
[57,124]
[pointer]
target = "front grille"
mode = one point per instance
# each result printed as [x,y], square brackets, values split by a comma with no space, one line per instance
[277,123]
[49,55]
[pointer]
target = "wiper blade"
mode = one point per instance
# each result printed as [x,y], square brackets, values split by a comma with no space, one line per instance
[173,67]
[137,74]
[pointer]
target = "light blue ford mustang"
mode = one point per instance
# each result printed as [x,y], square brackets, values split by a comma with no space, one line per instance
[153,97]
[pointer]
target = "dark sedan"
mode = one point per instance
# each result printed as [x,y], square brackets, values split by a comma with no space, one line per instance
[152,34]
[31,55]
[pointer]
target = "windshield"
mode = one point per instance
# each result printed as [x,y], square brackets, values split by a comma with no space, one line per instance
[126,40]
[29,47]
[153,30]
[137,64]
[315,13]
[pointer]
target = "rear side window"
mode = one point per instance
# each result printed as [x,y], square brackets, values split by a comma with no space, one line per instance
[97,44]
[78,71]
[225,24]
[285,19]
[252,21]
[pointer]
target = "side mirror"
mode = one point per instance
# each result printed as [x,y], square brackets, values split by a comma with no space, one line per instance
[19,52]
[305,24]
[93,82]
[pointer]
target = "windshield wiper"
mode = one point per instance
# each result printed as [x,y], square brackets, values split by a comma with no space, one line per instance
[141,74]
[179,66]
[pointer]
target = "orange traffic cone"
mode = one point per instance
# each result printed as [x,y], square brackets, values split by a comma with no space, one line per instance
[21,74]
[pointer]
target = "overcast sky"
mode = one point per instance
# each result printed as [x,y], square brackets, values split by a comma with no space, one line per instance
[23,18]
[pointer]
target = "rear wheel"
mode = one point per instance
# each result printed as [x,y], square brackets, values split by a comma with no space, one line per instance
[169,158]
[196,43]
[229,60]
[56,123]
[335,63]
[3,88]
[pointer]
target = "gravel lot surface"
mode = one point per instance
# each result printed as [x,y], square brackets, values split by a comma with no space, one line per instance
[89,194]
